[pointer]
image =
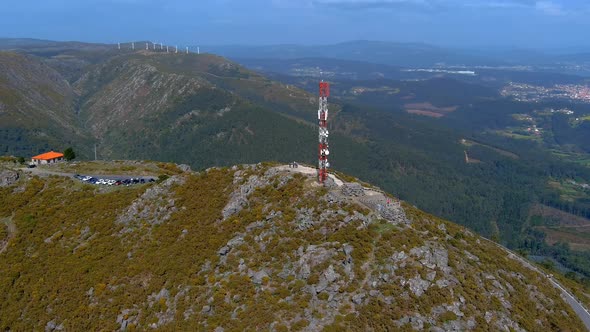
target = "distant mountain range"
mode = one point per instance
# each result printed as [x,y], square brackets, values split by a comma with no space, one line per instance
[386,53]
[395,54]
[400,54]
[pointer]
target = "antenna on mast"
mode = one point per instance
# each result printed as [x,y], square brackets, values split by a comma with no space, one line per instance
[323,149]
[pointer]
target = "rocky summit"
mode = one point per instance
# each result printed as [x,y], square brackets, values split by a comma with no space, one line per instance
[252,247]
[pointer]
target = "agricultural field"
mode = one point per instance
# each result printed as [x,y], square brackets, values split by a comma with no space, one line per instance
[561,227]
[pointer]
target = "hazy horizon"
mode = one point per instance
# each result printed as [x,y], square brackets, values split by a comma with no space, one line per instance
[521,24]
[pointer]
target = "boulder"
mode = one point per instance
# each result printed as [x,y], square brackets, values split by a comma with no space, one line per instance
[8,177]
[259,276]
[185,168]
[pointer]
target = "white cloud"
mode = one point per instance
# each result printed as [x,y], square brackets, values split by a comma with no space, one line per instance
[547,7]
[550,8]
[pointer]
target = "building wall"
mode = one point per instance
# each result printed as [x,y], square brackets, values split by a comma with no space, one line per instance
[45,162]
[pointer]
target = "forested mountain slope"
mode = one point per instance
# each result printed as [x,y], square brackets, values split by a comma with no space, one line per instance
[37,106]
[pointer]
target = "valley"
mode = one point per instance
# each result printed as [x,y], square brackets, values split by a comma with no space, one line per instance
[452,146]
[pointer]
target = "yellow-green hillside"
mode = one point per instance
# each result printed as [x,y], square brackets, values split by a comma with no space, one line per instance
[252,248]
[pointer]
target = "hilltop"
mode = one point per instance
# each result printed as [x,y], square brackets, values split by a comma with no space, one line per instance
[252,247]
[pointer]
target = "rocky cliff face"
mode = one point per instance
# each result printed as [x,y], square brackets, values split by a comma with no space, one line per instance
[254,247]
[7,177]
[121,94]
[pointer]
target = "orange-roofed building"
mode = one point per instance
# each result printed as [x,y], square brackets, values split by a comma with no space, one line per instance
[48,158]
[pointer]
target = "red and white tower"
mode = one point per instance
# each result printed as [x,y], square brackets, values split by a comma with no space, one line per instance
[323,151]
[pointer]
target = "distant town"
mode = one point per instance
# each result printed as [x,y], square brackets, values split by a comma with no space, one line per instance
[534,93]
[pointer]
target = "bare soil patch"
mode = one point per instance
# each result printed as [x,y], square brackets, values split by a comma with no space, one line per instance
[426,113]
[576,240]
[427,109]
[561,218]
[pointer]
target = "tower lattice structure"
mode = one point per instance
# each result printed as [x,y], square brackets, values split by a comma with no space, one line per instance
[323,149]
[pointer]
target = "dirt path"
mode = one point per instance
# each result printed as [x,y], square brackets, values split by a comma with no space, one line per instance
[309,171]
[11,228]
[45,172]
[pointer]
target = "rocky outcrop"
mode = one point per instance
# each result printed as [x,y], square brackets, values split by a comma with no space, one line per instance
[154,207]
[353,189]
[8,177]
[239,198]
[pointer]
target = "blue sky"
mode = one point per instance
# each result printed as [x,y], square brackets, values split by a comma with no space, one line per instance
[463,23]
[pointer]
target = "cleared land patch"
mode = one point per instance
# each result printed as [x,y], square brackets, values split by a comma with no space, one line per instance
[560,226]
[427,109]
[504,153]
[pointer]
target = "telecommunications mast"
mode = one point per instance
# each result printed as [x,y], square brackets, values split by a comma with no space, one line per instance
[323,151]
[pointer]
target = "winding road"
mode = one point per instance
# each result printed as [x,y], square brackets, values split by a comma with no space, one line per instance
[576,305]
